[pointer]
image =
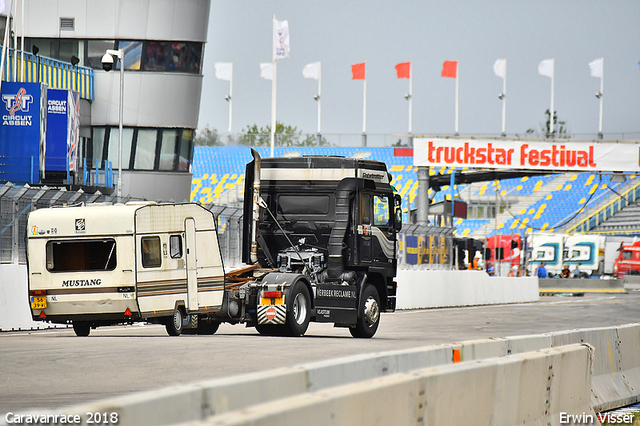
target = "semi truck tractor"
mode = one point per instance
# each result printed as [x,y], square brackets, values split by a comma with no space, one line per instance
[319,241]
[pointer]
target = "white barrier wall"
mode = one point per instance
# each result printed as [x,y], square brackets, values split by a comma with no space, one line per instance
[615,367]
[436,289]
[14,300]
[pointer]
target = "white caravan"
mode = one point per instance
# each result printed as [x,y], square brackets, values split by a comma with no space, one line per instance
[103,264]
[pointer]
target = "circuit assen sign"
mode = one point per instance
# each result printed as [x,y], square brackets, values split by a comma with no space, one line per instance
[520,154]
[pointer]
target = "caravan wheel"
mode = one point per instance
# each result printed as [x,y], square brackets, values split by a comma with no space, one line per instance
[174,323]
[81,328]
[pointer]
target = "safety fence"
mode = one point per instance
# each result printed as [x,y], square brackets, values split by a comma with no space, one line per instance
[30,68]
[604,213]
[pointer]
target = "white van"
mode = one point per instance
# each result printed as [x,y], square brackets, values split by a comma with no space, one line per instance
[106,264]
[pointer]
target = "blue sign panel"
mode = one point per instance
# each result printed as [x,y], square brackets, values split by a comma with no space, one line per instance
[22,131]
[411,248]
[56,130]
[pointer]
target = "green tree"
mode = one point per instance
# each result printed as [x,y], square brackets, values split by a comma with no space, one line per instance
[560,128]
[287,136]
[207,137]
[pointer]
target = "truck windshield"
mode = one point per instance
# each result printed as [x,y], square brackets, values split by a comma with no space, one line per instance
[303,204]
[83,255]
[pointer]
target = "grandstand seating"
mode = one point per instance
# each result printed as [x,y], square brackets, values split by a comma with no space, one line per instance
[218,170]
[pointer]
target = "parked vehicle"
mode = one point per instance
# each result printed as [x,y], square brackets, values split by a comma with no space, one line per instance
[319,236]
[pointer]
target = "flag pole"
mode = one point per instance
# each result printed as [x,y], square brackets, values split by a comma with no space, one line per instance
[15,40]
[22,45]
[410,98]
[504,100]
[273,94]
[230,98]
[319,100]
[457,91]
[4,47]
[601,99]
[364,107]
[551,113]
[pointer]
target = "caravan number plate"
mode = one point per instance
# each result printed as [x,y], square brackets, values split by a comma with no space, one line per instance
[38,302]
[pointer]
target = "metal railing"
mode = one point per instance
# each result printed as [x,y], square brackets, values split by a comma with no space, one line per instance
[52,72]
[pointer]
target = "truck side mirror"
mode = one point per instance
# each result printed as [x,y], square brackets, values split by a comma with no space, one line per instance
[397,205]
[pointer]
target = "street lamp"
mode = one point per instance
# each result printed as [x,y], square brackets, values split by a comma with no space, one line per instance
[107,65]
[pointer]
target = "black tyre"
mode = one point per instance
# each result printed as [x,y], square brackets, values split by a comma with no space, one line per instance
[298,309]
[207,327]
[270,329]
[368,314]
[82,328]
[174,323]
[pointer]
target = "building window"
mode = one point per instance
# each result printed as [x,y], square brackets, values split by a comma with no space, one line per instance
[168,150]
[112,151]
[132,55]
[145,149]
[96,50]
[186,154]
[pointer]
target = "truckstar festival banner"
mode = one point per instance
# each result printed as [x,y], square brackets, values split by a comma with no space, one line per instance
[519,154]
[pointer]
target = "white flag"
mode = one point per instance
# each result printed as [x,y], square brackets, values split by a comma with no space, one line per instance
[596,67]
[224,70]
[5,7]
[500,68]
[280,39]
[312,70]
[546,68]
[266,70]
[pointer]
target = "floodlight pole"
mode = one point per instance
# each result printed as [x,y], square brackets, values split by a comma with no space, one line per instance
[120,54]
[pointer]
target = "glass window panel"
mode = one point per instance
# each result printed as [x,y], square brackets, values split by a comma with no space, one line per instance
[381,211]
[145,150]
[112,153]
[96,50]
[85,255]
[175,246]
[98,143]
[151,252]
[132,54]
[168,149]
[68,48]
[157,59]
[46,46]
[185,150]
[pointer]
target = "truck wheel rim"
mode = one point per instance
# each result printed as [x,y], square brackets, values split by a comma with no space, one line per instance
[371,311]
[299,308]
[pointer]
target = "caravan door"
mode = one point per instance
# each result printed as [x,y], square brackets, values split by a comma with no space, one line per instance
[192,272]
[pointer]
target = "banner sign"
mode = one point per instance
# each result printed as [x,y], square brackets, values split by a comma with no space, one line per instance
[528,155]
[22,131]
[63,125]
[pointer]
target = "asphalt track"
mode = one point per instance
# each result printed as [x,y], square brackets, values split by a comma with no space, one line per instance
[54,368]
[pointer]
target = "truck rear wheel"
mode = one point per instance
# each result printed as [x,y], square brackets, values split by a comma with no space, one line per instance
[368,314]
[174,323]
[298,309]
[81,328]
[207,327]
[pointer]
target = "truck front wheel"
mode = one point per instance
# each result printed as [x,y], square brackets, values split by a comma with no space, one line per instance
[368,314]
[298,309]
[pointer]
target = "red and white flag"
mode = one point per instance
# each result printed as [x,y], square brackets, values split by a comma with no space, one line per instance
[403,70]
[450,69]
[357,70]
[281,44]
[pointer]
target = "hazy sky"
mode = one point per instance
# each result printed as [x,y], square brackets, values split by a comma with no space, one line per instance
[384,33]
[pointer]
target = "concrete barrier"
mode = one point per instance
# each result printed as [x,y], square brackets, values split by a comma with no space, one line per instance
[584,285]
[517,389]
[14,301]
[436,289]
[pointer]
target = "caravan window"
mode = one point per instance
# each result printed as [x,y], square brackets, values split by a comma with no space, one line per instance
[83,255]
[151,257]
[175,246]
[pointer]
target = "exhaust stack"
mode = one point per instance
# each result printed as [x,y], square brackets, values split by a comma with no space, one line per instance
[255,205]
